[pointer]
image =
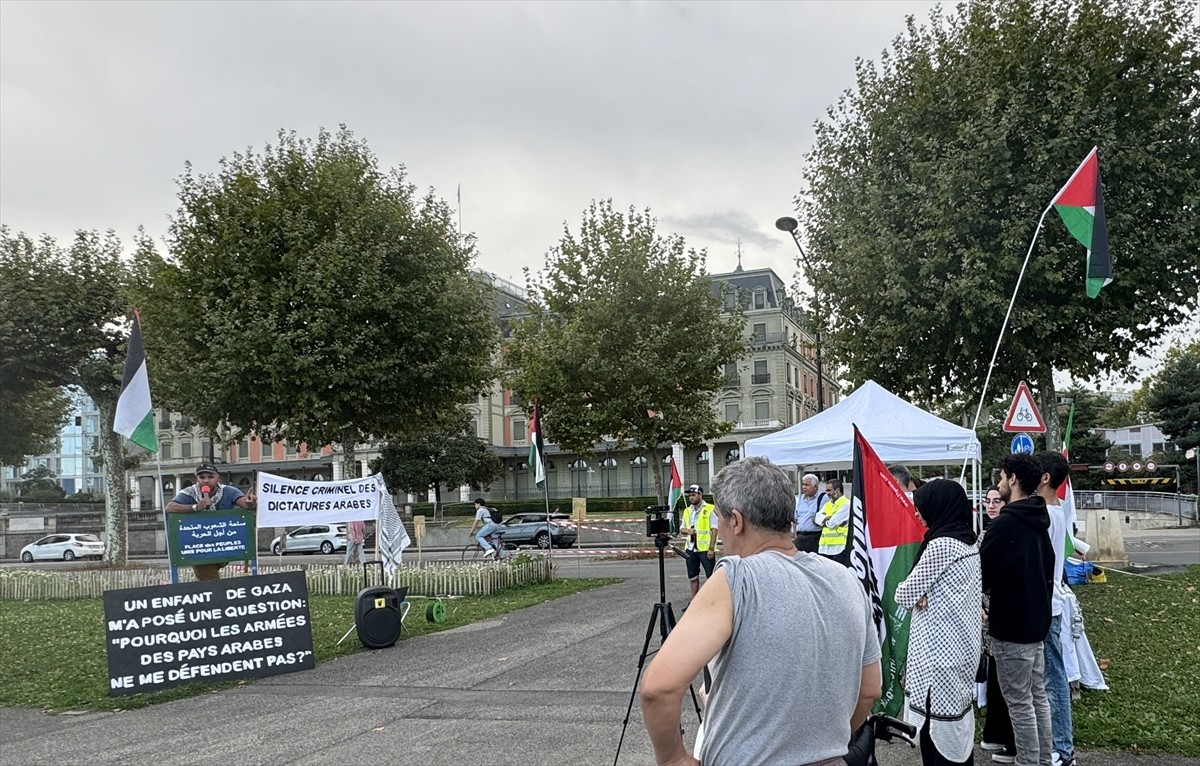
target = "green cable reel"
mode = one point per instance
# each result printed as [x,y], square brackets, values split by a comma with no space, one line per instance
[435,611]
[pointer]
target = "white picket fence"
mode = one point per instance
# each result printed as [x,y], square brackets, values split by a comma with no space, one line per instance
[425,579]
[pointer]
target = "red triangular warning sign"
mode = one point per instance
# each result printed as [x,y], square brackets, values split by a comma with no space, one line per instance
[1023,415]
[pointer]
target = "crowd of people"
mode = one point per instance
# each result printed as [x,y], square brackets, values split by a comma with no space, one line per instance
[792,672]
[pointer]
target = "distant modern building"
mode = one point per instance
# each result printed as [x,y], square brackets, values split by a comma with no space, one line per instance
[76,458]
[1139,441]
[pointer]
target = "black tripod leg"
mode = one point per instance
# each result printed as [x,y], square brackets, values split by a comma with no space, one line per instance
[669,616]
[655,617]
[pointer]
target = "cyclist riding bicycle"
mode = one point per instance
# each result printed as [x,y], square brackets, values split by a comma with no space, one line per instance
[490,520]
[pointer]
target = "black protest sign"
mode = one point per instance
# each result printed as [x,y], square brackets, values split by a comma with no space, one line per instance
[216,630]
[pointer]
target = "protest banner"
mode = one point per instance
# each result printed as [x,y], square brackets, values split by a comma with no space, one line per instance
[290,502]
[216,630]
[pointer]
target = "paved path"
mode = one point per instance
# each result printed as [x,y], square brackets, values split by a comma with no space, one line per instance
[544,685]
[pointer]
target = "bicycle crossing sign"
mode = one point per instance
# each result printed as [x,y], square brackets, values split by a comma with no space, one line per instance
[1023,415]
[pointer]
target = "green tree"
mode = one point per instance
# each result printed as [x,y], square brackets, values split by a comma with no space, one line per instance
[314,297]
[624,322]
[1134,410]
[452,458]
[1175,396]
[41,479]
[30,416]
[64,322]
[925,182]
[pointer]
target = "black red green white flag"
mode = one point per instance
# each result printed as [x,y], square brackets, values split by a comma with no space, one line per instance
[1080,204]
[537,460]
[134,418]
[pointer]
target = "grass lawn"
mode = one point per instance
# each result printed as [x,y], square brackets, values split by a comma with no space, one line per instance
[52,653]
[1149,631]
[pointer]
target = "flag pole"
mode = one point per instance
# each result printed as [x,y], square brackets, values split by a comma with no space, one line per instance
[174,570]
[1012,301]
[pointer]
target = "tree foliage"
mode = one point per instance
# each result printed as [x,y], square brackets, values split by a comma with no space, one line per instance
[314,297]
[30,419]
[436,459]
[1131,411]
[64,321]
[925,182]
[1175,396]
[623,321]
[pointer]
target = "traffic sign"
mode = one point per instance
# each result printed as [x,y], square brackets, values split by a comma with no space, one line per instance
[1151,465]
[1109,466]
[1023,415]
[1137,466]
[1122,466]
[1022,444]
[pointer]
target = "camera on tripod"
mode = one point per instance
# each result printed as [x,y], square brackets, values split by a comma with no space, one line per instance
[657,522]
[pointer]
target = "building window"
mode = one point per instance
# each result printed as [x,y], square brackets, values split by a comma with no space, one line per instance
[731,412]
[762,410]
[702,458]
[760,376]
[185,449]
[244,448]
[760,298]
[760,332]
[732,377]
[518,428]
[206,448]
[733,455]
[164,449]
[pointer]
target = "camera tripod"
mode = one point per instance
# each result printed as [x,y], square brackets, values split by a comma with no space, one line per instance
[663,616]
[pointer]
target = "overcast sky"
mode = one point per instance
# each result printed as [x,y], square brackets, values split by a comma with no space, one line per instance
[700,111]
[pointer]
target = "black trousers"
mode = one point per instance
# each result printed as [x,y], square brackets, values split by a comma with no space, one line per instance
[997,726]
[808,542]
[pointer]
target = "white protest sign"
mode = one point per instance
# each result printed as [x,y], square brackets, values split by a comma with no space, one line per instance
[291,502]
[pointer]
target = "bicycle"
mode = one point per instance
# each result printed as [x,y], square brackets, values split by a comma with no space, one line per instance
[878,727]
[475,553]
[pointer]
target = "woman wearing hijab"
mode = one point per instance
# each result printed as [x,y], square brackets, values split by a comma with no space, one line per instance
[943,591]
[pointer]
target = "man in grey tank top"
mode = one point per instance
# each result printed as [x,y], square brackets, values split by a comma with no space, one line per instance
[792,642]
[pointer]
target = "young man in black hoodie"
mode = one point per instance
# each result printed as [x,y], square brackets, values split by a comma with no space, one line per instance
[1018,567]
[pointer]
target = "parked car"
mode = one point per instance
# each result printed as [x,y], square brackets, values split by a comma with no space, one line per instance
[530,529]
[64,547]
[325,538]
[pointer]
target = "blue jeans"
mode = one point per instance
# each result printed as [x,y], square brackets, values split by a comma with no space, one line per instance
[353,548]
[1058,689]
[482,534]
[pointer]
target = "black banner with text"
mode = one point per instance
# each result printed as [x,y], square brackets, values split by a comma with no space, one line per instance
[217,630]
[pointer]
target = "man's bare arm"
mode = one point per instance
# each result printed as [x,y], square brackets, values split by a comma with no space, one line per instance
[870,688]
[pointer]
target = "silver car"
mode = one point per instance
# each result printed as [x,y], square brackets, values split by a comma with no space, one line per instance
[325,538]
[64,547]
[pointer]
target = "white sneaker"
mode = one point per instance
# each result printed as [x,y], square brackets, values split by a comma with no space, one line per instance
[990,746]
[1005,756]
[489,553]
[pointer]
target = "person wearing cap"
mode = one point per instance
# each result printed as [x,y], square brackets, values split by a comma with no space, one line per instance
[209,494]
[700,526]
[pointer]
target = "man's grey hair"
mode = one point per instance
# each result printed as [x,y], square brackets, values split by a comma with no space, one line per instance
[760,490]
[810,477]
[901,474]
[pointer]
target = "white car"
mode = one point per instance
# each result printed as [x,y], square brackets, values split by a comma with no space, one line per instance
[64,547]
[325,538]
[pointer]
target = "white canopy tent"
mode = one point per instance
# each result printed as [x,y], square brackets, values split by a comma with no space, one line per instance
[900,433]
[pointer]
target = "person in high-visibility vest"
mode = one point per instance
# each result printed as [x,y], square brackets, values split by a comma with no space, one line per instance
[834,518]
[700,527]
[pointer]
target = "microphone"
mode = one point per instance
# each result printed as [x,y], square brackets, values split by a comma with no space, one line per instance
[205,491]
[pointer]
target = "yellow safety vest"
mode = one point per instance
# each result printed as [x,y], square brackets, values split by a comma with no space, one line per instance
[834,536]
[703,526]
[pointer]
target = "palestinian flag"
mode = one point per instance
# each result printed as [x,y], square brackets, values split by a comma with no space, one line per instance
[536,458]
[885,537]
[676,490]
[1081,205]
[134,417]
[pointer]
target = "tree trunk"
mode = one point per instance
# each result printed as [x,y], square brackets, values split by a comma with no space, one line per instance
[658,475]
[1049,407]
[437,499]
[116,497]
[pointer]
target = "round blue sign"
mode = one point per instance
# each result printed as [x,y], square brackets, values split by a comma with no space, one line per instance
[1022,444]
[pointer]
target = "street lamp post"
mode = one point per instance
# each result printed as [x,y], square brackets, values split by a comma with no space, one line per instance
[792,226]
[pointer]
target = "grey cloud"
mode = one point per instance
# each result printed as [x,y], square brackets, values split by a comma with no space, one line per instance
[726,227]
